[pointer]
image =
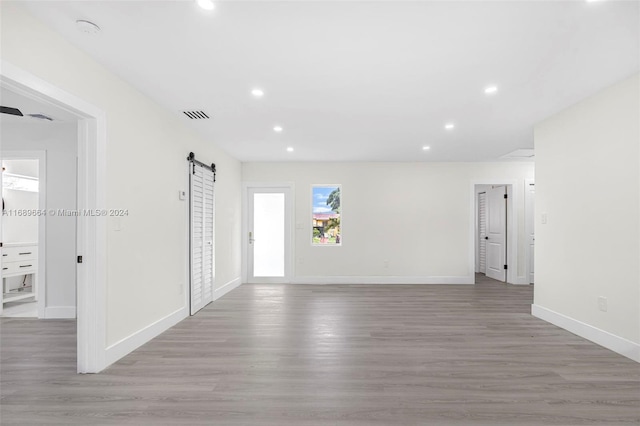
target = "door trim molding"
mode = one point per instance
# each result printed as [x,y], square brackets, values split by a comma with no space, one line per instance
[91,278]
[513,200]
[527,231]
[290,205]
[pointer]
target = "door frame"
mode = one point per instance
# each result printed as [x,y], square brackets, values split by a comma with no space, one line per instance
[476,223]
[41,277]
[91,277]
[289,242]
[527,228]
[513,197]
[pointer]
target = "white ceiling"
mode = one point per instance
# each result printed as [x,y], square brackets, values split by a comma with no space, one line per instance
[361,81]
[27,106]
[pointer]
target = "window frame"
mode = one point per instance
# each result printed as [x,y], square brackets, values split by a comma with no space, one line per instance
[312,197]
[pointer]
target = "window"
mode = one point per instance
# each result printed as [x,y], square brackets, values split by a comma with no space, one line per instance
[327,230]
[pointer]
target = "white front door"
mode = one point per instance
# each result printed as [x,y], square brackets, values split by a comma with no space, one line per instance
[529,200]
[269,234]
[496,237]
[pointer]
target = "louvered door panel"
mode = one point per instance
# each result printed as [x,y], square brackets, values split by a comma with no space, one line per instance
[196,240]
[482,232]
[202,236]
[208,270]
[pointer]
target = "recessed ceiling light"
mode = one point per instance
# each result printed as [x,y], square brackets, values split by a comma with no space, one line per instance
[87,27]
[490,90]
[277,129]
[289,149]
[449,126]
[426,148]
[258,93]
[206,4]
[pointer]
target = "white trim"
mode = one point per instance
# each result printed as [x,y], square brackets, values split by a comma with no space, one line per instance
[310,236]
[603,338]
[289,244]
[521,280]
[41,277]
[527,230]
[129,344]
[60,312]
[513,194]
[231,285]
[382,280]
[92,231]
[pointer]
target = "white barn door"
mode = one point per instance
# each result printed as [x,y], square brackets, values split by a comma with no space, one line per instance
[201,182]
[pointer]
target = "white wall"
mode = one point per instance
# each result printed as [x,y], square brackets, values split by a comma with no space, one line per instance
[59,141]
[415,215]
[147,148]
[588,185]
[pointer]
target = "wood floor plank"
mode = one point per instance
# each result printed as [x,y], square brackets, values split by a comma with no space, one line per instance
[329,355]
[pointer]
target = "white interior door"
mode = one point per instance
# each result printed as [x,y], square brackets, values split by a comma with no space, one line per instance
[496,238]
[529,224]
[482,232]
[201,182]
[269,235]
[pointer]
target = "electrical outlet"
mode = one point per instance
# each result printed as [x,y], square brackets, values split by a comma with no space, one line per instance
[180,288]
[602,303]
[386,264]
[301,260]
[544,218]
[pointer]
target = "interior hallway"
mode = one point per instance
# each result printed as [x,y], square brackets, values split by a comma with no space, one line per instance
[332,354]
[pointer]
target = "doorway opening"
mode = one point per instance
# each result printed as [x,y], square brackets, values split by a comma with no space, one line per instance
[88,168]
[494,232]
[23,232]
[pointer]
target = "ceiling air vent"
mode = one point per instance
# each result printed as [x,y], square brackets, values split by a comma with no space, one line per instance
[196,115]
[520,154]
[40,117]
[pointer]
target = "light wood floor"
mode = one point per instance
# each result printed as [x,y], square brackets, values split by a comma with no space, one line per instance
[330,355]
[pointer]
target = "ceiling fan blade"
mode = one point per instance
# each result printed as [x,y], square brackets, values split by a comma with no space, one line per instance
[10,111]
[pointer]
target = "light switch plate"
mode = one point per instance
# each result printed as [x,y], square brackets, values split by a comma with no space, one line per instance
[182,195]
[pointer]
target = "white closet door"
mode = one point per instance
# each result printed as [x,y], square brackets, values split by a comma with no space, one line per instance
[202,237]
[497,233]
[482,232]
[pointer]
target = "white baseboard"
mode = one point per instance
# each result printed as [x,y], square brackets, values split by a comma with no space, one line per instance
[218,293]
[521,280]
[603,338]
[60,312]
[133,342]
[382,280]
[139,338]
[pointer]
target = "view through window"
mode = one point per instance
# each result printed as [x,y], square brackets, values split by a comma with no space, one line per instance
[326,215]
